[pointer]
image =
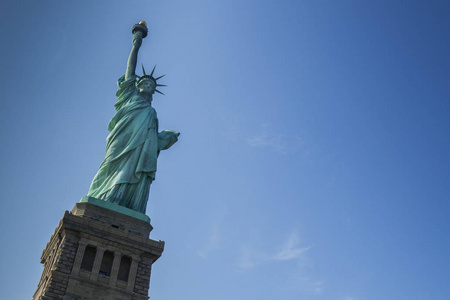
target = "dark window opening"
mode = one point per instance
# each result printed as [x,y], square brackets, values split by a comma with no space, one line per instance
[88,258]
[124,269]
[107,261]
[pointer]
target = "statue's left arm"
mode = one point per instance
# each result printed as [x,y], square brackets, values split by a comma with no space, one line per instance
[167,138]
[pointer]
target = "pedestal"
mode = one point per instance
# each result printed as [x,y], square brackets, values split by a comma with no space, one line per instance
[97,253]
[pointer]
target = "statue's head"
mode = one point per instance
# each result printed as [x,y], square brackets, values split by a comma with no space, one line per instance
[146,84]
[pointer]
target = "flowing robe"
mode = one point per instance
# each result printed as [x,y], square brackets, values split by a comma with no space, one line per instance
[132,148]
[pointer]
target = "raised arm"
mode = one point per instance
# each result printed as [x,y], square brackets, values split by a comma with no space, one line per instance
[132,59]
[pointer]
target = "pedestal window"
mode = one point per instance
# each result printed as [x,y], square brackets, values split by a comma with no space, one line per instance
[106,266]
[124,269]
[88,258]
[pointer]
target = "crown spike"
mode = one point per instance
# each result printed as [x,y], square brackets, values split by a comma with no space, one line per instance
[160,84]
[160,77]
[153,71]
[159,92]
[143,70]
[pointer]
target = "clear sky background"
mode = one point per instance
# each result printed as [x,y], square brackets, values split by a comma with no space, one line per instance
[314,155]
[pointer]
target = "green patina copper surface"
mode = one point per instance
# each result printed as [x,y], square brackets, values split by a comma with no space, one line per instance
[117,208]
[134,142]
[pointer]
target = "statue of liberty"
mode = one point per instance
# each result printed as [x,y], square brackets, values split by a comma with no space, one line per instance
[134,143]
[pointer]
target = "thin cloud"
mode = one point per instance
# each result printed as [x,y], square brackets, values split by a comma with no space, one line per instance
[301,279]
[304,281]
[213,241]
[266,135]
[214,238]
[308,284]
[317,286]
[279,142]
[291,250]
[250,257]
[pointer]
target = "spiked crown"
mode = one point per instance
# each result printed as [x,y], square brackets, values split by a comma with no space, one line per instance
[146,76]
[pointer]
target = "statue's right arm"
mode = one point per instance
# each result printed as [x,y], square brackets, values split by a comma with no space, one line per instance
[132,59]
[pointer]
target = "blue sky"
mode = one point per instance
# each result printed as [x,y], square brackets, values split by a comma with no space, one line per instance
[313,161]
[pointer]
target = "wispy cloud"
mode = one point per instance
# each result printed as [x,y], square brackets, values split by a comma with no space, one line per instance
[213,241]
[250,258]
[291,249]
[316,286]
[213,238]
[308,284]
[265,135]
[280,142]
[300,279]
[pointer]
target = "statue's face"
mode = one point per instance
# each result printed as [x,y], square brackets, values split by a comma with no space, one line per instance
[146,86]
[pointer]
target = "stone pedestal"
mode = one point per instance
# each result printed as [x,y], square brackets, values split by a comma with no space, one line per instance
[96,253]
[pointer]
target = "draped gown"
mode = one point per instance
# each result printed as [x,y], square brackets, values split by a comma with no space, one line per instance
[132,148]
